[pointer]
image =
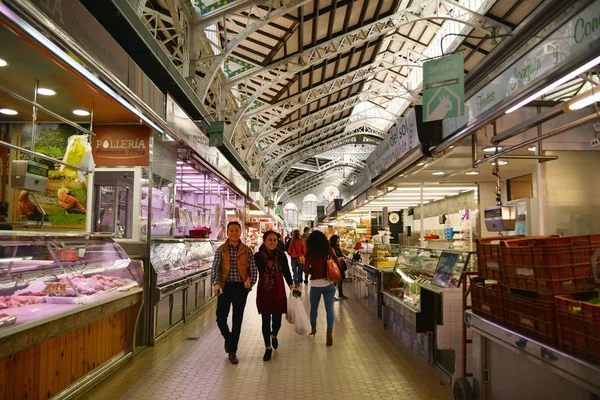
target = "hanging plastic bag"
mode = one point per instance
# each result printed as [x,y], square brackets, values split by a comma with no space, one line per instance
[290,315]
[302,324]
[79,154]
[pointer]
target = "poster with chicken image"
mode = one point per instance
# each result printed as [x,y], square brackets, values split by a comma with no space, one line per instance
[65,197]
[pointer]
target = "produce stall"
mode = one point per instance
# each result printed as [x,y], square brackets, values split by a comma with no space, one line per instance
[422,304]
[541,314]
[69,305]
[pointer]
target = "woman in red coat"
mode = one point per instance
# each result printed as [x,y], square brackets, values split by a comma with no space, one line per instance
[271,299]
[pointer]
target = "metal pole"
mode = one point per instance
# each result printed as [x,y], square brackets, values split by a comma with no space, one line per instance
[34,114]
[422,219]
[92,118]
[557,131]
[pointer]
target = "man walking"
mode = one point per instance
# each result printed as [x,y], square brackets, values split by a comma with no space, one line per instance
[234,273]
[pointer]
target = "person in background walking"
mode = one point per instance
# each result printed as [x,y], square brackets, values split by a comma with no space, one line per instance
[334,242]
[271,299]
[318,252]
[280,244]
[297,251]
[305,233]
[234,273]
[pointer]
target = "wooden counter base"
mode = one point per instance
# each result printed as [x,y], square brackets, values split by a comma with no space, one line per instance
[82,344]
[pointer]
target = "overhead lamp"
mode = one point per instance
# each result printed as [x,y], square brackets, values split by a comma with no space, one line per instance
[3,63]
[586,101]
[472,173]
[451,147]
[46,92]
[256,212]
[533,148]
[420,164]
[492,149]
[8,111]
[559,82]
[500,162]
[438,173]
[81,113]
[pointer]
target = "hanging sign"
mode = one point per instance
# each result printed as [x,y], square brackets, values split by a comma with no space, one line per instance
[407,135]
[121,145]
[444,88]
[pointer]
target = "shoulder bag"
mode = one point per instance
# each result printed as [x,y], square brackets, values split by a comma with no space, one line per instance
[333,271]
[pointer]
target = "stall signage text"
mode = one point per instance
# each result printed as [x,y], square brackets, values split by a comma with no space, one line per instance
[121,145]
[443,88]
[401,139]
[569,40]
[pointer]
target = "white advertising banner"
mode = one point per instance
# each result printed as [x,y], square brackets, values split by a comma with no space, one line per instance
[569,40]
[400,140]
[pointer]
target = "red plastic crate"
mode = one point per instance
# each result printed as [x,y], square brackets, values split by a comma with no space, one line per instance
[549,265]
[531,314]
[578,326]
[488,257]
[488,300]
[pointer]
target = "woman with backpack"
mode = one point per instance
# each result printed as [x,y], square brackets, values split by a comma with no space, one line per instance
[297,250]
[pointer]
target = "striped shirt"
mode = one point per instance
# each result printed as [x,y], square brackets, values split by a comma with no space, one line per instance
[234,274]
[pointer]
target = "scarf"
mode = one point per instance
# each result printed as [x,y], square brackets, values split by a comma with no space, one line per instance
[271,270]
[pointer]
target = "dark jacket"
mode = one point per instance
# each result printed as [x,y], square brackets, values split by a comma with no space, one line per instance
[316,266]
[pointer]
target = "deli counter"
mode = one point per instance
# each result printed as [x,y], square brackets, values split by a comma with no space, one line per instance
[69,301]
[180,282]
[422,303]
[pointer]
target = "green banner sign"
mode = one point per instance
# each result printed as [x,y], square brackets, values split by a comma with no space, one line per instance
[443,88]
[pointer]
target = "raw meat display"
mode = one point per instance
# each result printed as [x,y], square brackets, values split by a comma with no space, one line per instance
[13,301]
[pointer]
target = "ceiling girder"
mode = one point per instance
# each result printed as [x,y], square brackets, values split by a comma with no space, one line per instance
[324,168]
[275,137]
[269,114]
[284,165]
[290,66]
[210,66]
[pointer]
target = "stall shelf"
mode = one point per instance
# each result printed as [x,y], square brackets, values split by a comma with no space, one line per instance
[509,365]
[181,280]
[72,298]
[422,304]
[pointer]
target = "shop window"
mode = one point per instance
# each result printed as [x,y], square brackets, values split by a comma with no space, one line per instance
[520,187]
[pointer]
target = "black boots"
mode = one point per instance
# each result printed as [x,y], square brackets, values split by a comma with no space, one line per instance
[232,358]
[268,353]
[329,337]
[313,329]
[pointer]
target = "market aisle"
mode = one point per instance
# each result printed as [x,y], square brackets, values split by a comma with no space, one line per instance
[363,363]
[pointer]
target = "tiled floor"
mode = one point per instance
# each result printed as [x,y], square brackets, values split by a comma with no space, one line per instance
[365,362]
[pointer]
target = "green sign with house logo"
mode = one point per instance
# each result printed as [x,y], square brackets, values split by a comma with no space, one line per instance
[444,88]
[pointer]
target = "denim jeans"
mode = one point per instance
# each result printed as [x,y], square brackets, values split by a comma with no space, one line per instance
[328,293]
[297,270]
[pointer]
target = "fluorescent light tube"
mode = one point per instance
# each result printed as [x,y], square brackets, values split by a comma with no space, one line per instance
[585,102]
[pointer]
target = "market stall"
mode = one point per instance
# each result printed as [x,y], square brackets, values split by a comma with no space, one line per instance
[67,300]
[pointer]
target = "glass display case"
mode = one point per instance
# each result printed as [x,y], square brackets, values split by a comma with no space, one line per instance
[45,276]
[176,259]
[181,287]
[417,266]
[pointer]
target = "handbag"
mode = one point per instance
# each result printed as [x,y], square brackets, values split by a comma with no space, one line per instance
[301,260]
[333,272]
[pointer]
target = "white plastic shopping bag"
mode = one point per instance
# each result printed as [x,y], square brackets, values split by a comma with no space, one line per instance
[302,324]
[289,315]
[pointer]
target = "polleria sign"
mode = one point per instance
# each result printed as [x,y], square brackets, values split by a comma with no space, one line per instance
[443,88]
